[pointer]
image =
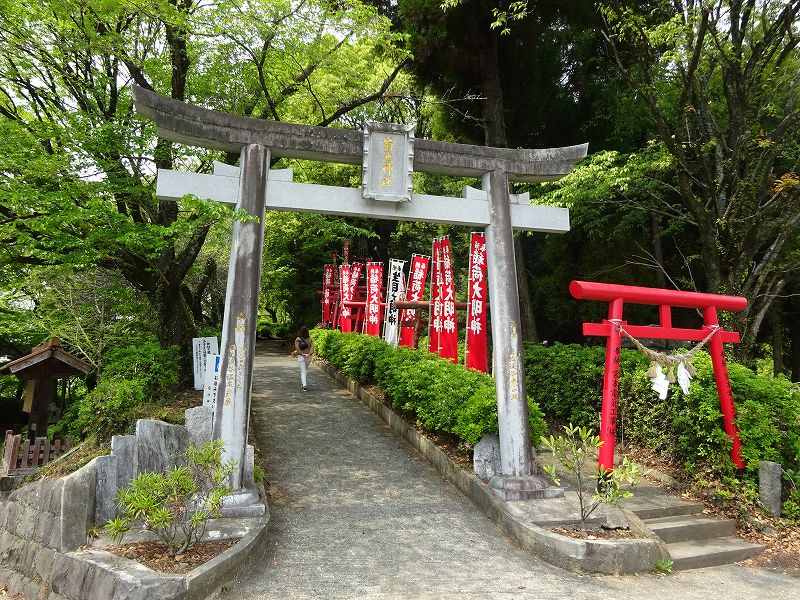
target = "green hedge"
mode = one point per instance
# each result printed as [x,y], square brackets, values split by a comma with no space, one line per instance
[443,396]
[566,381]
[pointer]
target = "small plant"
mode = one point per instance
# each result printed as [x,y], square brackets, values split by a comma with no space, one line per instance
[93,533]
[258,474]
[663,566]
[603,487]
[177,504]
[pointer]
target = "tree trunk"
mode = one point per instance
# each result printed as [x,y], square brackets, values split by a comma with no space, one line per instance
[776,327]
[494,126]
[658,250]
[494,122]
[176,327]
[792,314]
[527,318]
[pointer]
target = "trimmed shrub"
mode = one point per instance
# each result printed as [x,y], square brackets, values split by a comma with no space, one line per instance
[443,396]
[566,380]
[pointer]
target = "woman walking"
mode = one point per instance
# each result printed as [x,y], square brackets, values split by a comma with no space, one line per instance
[304,346]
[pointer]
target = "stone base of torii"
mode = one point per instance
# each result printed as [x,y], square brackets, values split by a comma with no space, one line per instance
[254,189]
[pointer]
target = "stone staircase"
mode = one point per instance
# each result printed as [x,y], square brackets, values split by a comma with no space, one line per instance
[695,541]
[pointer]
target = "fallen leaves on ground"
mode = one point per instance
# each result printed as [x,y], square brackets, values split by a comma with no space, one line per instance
[154,555]
[780,537]
[596,534]
[782,552]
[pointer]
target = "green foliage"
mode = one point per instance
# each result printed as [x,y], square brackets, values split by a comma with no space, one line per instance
[572,451]
[77,169]
[133,375]
[566,381]
[663,566]
[736,180]
[177,504]
[156,368]
[109,409]
[443,396]
[791,506]
[297,245]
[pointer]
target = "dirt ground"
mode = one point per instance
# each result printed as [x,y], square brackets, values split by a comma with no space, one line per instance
[153,555]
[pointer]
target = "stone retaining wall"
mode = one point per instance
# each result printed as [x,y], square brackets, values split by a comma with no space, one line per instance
[42,523]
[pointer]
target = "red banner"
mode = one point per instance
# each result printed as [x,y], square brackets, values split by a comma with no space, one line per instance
[355,275]
[372,322]
[345,323]
[416,289]
[327,282]
[435,319]
[448,338]
[476,355]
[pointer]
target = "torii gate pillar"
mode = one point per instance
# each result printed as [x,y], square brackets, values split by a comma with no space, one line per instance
[517,466]
[241,307]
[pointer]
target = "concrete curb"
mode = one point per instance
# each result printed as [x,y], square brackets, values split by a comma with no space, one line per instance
[610,557]
[228,566]
[201,582]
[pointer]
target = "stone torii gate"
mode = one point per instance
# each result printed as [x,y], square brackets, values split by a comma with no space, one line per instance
[383,150]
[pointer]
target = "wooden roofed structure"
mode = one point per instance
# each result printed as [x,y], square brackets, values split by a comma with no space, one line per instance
[40,368]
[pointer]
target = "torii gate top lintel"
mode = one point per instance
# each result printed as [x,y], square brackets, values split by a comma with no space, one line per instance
[590,290]
[197,126]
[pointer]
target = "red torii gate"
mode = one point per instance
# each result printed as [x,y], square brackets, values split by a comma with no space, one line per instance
[617,296]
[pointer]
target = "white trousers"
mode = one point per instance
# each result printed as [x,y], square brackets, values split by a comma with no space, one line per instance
[303,361]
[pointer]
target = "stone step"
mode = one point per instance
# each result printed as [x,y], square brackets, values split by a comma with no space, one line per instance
[698,554]
[689,527]
[647,510]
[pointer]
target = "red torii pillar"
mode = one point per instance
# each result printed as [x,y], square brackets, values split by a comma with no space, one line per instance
[617,296]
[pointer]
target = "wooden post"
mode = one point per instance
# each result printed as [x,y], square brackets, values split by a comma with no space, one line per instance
[44,392]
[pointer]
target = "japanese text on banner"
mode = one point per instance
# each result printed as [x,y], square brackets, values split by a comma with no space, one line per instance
[345,324]
[476,355]
[416,289]
[372,320]
[448,336]
[327,282]
[435,319]
[394,292]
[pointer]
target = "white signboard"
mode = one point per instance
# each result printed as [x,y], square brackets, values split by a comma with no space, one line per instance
[394,292]
[211,381]
[201,347]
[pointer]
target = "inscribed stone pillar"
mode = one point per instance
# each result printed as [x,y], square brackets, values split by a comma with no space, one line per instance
[769,486]
[512,405]
[517,479]
[231,418]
